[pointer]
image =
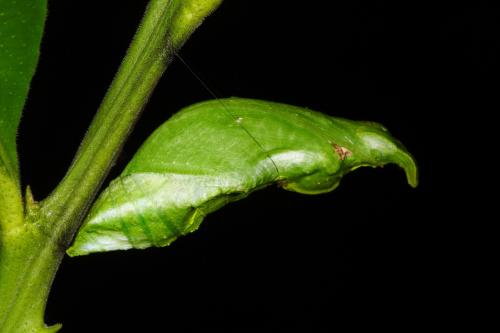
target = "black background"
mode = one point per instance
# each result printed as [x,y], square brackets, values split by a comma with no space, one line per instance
[372,254]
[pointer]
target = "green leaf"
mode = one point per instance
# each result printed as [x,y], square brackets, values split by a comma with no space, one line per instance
[21,28]
[215,152]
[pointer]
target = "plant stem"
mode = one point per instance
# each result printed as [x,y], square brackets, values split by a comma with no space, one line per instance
[28,265]
[165,27]
[31,255]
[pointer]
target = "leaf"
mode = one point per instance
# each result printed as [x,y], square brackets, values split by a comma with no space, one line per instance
[21,28]
[215,152]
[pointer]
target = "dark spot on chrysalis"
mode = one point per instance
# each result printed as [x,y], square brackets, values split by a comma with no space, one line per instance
[343,152]
[282,183]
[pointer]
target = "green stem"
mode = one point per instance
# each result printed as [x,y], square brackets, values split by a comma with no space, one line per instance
[28,264]
[165,27]
[31,254]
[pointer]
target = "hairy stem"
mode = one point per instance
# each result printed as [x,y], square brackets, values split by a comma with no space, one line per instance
[32,253]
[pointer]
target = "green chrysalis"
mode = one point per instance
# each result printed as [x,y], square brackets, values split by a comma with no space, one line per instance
[216,152]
